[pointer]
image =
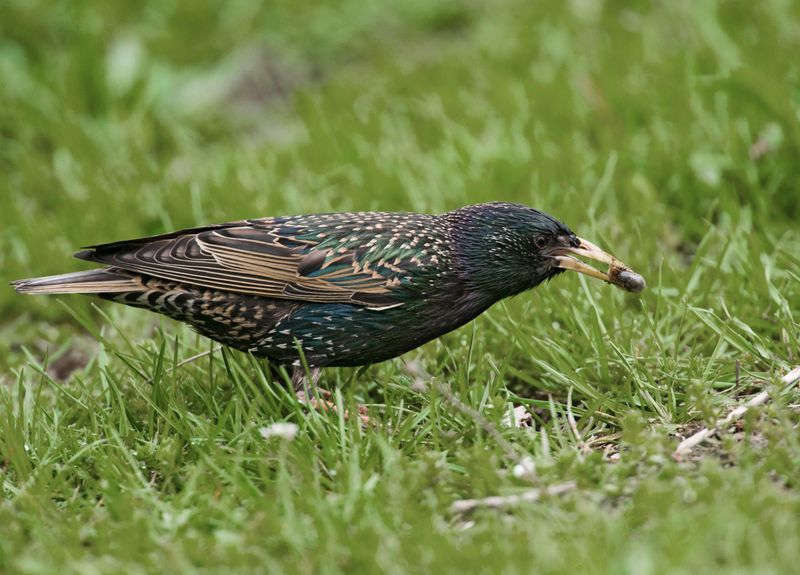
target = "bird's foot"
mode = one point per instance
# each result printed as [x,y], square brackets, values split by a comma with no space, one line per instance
[324,403]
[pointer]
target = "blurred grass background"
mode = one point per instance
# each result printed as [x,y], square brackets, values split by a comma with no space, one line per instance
[667,132]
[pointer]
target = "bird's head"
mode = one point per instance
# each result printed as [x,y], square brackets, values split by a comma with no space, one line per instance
[504,249]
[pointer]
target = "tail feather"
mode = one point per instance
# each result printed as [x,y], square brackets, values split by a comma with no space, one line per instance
[91,281]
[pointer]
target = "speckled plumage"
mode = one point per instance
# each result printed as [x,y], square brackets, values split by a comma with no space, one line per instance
[348,288]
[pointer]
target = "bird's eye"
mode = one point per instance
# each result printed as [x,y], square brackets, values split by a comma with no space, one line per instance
[541,242]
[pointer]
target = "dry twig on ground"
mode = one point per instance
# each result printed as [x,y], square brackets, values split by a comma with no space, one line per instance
[495,501]
[696,439]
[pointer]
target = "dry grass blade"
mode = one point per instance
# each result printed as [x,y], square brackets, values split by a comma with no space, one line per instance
[496,501]
[696,439]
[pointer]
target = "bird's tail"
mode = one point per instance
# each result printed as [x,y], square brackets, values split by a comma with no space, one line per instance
[93,281]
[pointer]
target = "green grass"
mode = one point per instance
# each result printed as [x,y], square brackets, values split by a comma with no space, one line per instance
[666,132]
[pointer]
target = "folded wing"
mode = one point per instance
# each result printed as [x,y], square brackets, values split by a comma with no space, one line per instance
[263,257]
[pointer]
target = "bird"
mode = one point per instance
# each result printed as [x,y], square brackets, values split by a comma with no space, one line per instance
[341,288]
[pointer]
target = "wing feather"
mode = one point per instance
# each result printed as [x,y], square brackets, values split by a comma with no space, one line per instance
[258,259]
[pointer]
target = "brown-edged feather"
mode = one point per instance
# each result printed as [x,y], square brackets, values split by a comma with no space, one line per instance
[243,258]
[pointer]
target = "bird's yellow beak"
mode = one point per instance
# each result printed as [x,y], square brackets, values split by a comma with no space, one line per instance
[618,273]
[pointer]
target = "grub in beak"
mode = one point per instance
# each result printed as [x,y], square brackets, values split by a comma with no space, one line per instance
[618,273]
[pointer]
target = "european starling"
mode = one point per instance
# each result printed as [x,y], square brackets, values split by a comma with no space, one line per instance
[349,289]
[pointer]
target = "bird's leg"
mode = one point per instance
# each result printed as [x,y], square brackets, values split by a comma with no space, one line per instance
[308,393]
[300,378]
[303,382]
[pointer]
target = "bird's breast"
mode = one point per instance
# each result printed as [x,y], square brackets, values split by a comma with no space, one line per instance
[349,335]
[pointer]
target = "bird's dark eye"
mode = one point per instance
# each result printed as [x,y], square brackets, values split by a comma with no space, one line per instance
[541,242]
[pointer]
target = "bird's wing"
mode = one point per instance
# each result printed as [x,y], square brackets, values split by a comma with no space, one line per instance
[270,257]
